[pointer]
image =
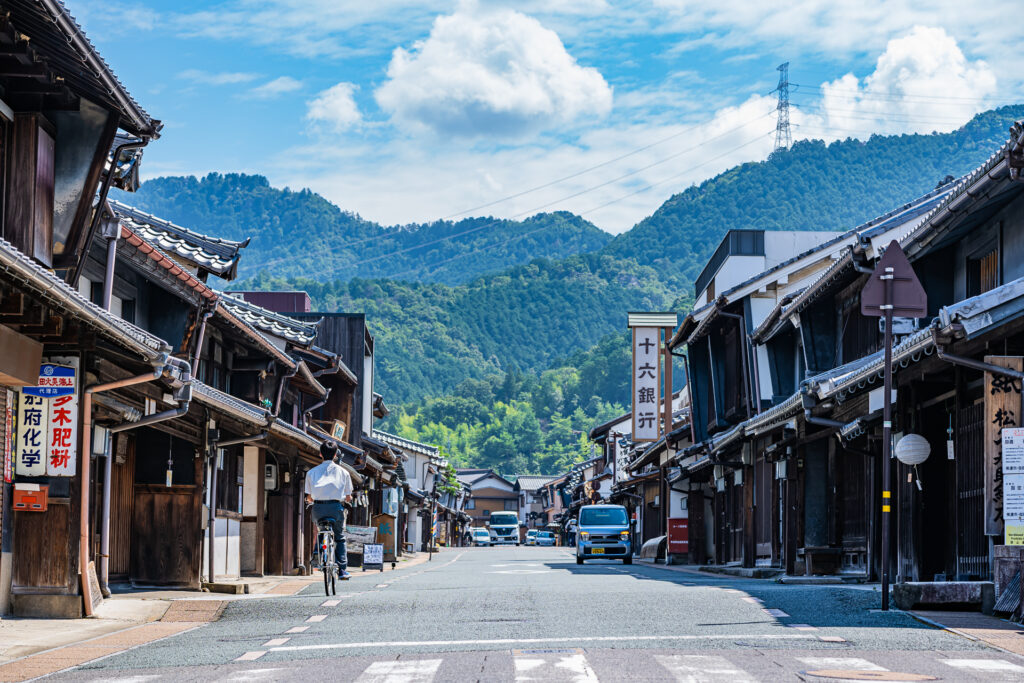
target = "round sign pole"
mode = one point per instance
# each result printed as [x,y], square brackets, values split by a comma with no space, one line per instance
[887,439]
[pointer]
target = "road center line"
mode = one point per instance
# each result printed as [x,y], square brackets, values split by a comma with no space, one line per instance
[297,629]
[251,656]
[331,603]
[276,642]
[524,641]
[317,617]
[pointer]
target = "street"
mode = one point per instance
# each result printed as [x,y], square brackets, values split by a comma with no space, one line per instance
[532,614]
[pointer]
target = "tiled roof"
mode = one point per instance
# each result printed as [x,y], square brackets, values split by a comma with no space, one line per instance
[213,254]
[276,324]
[59,38]
[149,251]
[532,483]
[33,277]
[405,444]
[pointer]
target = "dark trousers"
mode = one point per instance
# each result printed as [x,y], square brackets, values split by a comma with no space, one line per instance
[335,511]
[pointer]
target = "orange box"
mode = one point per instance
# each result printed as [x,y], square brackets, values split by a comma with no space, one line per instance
[30,500]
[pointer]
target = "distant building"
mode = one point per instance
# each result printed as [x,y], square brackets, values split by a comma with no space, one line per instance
[490,492]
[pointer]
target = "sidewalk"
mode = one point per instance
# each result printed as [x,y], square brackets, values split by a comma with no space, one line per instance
[135,616]
[993,631]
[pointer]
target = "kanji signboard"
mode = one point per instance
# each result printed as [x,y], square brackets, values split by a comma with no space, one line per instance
[646,383]
[48,424]
[1002,411]
[33,421]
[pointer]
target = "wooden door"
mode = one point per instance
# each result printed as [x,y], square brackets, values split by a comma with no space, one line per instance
[969,454]
[122,507]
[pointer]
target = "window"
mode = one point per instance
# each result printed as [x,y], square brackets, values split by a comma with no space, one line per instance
[487,513]
[983,272]
[512,505]
[471,504]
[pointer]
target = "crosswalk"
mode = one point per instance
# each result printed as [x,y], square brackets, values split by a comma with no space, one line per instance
[577,665]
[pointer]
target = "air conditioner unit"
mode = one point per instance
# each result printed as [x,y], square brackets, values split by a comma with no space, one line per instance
[270,476]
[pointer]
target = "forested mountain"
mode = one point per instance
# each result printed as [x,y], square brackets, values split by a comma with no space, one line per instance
[811,186]
[432,336]
[506,366]
[297,233]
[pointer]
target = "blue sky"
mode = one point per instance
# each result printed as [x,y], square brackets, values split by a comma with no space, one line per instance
[408,111]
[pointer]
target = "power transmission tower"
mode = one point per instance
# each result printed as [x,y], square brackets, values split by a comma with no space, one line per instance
[783,138]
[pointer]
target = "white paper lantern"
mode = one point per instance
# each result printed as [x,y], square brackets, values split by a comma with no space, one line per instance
[913,449]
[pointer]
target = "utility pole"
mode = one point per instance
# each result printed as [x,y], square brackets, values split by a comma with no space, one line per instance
[783,138]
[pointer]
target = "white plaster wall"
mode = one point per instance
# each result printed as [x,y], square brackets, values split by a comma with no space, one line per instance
[782,245]
[226,548]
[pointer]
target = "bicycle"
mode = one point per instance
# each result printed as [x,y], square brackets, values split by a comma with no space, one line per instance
[325,546]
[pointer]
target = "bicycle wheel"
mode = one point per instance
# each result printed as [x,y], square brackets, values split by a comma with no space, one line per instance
[327,579]
[334,579]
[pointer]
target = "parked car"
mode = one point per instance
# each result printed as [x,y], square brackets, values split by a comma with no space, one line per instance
[604,533]
[531,537]
[481,537]
[545,538]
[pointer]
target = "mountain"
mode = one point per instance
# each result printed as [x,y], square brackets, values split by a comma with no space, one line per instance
[296,233]
[431,336]
[811,186]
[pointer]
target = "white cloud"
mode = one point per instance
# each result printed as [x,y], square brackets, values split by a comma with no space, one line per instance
[219,78]
[494,72]
[362,175]
[275,88]
[922,82]
[335,106]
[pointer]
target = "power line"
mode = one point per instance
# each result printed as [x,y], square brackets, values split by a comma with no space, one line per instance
[867,94]
[590,210]
[534,210]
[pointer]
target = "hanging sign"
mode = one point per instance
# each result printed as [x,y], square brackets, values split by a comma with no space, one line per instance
[1002,410]
[33,421]
[9,436]
[389,502]
[646,383]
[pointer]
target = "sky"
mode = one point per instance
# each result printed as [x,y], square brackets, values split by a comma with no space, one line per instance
[410,111]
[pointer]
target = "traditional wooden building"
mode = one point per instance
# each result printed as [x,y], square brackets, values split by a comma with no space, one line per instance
[810,455]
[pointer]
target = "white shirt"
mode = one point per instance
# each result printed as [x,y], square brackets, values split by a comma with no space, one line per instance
[328,481]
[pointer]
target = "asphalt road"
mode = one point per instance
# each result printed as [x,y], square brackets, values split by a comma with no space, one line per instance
[532,614]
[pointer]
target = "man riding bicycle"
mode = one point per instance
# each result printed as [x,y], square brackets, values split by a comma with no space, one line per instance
[328,488]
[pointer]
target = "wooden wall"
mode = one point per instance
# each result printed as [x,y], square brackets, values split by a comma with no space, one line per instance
[165,532]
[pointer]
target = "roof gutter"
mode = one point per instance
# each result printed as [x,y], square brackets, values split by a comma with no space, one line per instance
[108,179]
[79,41]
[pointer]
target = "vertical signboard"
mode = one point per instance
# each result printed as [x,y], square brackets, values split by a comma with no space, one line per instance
[56,397]
[33,421]
[1002,410]
[1013,485]
[9,436]
[646,383]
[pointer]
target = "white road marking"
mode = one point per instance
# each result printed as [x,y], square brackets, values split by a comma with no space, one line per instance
[250,656]
[753,601]
[846,663]
[276,642]
[803,627]
[317,617]
[523,571]
[382,585]
[986,665]
[703,669]
[297,629]
[772,612]
[524,641]
[402,671]
[331,603]
[560,667]
[251,675]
